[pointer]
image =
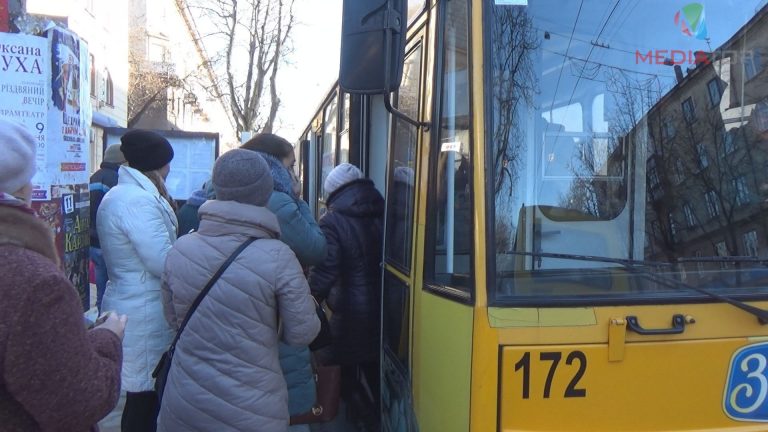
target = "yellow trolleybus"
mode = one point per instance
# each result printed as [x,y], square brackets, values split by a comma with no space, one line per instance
[577,209]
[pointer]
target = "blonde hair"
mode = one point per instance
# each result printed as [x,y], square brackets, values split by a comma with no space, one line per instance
[157,179]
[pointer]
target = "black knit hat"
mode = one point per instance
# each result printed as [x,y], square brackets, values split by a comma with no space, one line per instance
[270,144]
[145,150]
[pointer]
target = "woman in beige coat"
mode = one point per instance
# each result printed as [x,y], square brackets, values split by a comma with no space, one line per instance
[226,375]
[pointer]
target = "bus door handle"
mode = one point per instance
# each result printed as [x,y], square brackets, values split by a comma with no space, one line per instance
[678,325]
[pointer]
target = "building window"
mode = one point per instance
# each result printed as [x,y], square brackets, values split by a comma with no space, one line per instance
[109,98]
[668,129]
[679,171]
[714,91]
[753,64]
[690,218]
[701,153]
[688,110]
[750,243]
[761,116]
[722,251]
[728,146]
[712,207]
[741,190]
[699,264]
[93,76]
[672,227]
[653,174]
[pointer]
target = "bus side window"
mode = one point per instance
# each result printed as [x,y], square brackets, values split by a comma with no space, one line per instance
[402,167]
[449,251]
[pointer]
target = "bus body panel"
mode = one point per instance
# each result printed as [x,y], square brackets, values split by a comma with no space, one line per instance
[442,358]
[658,386]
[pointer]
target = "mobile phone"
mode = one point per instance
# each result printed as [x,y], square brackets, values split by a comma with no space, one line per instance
[101,319]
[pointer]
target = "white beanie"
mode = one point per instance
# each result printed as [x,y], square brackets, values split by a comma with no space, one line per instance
[340,176]
[17,156]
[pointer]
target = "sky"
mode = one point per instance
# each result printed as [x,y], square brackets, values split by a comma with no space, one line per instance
[313,66]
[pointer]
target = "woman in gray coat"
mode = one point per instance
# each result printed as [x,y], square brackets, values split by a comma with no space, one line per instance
[226,374]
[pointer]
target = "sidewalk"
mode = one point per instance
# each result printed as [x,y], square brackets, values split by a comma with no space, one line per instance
[111,423]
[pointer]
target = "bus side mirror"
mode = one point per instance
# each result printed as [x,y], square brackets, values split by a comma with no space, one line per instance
[372,46]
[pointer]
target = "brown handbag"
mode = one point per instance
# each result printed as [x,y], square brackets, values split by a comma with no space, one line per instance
[328,391]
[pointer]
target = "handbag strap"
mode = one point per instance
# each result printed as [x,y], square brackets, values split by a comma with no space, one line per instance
[208,287]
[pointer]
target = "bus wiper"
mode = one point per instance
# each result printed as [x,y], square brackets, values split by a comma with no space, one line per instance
[636,266]
[724,259]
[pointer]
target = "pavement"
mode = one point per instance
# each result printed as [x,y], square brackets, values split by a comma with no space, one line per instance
[110,423]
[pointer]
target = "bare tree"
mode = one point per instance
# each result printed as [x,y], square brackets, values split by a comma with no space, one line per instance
[251,37]
[149,85]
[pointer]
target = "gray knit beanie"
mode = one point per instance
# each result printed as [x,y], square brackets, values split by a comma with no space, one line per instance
[242,176]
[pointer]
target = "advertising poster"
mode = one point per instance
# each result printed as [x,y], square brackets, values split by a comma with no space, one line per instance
[70,110]
[67,213]
[74,238]
[24,72]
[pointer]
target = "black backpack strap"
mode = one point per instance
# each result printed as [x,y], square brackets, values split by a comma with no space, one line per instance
[208,287]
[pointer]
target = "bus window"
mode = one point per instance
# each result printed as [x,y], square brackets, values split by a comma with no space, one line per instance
[402,166]
[414,8]
[344,134]
[328,158]
[451,199]
[626,149]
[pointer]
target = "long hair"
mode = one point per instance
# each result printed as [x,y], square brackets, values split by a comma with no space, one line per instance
[157,179]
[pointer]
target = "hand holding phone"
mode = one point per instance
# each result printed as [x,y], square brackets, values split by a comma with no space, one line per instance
[112,322]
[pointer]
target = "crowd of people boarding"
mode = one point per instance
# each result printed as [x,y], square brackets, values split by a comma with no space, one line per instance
[238,282]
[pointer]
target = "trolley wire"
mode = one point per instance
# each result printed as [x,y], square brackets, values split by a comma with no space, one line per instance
[562,66]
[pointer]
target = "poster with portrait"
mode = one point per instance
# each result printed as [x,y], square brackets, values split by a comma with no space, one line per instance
[69,111]
[24,72]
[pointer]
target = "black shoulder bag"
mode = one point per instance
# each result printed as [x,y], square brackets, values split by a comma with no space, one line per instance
[164,365]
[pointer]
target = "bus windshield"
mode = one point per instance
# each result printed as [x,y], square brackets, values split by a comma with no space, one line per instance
[628,144]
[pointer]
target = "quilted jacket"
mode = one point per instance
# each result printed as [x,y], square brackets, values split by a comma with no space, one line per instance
[350,276]
[226,375]
[136,228]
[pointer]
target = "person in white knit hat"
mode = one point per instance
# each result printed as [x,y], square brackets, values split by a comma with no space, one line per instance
[349,280]
[340,176]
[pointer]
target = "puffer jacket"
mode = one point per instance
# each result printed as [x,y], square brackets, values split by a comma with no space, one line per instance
[136,228]
[101,182]
[187,215]
[305,238]
[226,375]
[350,276]
[298,228]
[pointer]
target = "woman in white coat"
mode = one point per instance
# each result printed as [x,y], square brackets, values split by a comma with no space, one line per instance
[137,227]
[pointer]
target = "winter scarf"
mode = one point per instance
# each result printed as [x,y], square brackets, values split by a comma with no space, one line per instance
[280,175]
[197,198]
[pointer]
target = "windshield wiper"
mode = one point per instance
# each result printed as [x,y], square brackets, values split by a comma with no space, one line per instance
[721,259]
[636,266]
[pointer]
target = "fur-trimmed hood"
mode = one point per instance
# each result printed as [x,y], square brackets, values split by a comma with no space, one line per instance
[24,230]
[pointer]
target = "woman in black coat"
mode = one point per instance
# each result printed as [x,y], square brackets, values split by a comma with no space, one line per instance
[350,281]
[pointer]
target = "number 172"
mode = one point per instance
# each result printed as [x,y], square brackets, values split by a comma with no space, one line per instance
[554,357]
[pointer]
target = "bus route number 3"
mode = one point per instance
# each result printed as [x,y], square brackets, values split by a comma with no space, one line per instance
[574,358]
[747,387]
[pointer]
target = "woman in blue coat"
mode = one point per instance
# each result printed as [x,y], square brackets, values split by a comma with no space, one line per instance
[303,235]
